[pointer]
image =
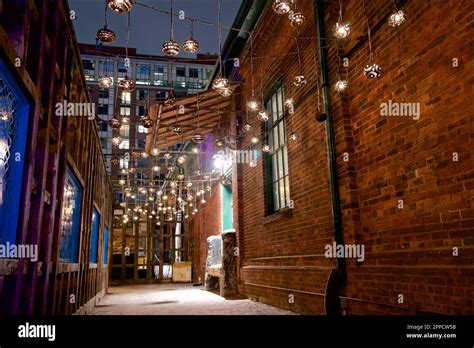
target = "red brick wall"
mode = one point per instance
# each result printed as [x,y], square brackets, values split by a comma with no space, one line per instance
[409,250]
[207,222]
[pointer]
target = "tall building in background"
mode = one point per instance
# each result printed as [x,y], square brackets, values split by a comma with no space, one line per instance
[155,78]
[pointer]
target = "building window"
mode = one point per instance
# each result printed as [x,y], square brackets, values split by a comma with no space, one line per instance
[143,73]
[106,68]
[126,98]
[125,130]
[160,75]
[13,140]
[70,218]
[104,93]
[88,64]
[94,236]
[142,94]
[125,111]
[161,95]
[142,129]
[123,163]
[141,143]
[194,72]
[276,162]
[141,110]
[103,127]
[180,71]
[106,244]
[125,144]
[104,109]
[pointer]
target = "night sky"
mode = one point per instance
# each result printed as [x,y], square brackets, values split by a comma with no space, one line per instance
[149,28]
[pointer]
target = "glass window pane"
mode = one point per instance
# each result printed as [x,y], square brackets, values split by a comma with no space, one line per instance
[280,164]
[276,143]
[285,161]
[274,109]
[281,184]
[276,203]
[287,189]
[280,102]
[275,168]
[281,126]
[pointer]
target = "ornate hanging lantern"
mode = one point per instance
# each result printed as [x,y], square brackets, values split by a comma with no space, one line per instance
[197,139]
[396,19]
[114,161]
[170,100]
[116,141]
[120,6]
[126,84]
[106,35]
[220,83]
[297,19]
[341,85]
[372,71]
[105,81]
[171,47]
[191,45]
[282,6]
[114,123]
[299,81]
[146,122]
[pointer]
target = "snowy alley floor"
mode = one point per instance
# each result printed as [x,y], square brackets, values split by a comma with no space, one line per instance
[176,299]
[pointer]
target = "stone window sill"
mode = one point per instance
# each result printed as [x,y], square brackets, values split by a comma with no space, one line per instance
[283,213]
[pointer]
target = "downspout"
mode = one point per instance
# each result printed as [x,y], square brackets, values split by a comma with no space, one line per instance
[331,147]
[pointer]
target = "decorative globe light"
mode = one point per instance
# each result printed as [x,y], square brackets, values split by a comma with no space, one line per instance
[116,141]
[114,123]
[181,159]
[341,30]
[225,92]
[396,19]
[135,154]
[255,140]
[159,193]
[203,201]
[125,171]
[146,122]
[219,142]
[128,194]
[197,139]
[191,45]
[155,151]
[125,120]
[195,150]
[189,184]
[143,190]
[289,102]
[121,182]
[151,189]
[208,188]
[247,127]
[167,156]
[105,81]
[180,176]
[252,105]
[340,85]
[299,81]
[106,35]
[266,148]
[132,170]
[173,192]
[372,71]
[189,198]
[165,197]
[220,83]
[294,136]
[296,19]
[114,161]
[4,115]
[281,6]
[126,84]
[195,210]
[176,129]
[156,168]
[170,100]
[120,6]
[171,47]
[263,116]
[144,154]
[198,194]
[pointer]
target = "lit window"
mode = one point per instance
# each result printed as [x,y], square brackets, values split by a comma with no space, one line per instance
[276,162]
[125,144]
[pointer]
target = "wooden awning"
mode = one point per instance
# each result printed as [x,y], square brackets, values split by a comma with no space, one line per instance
[210,108]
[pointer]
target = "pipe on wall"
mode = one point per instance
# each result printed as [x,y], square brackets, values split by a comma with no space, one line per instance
[330,142]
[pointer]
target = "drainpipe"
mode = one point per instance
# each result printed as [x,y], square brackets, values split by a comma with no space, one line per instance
[333,180]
